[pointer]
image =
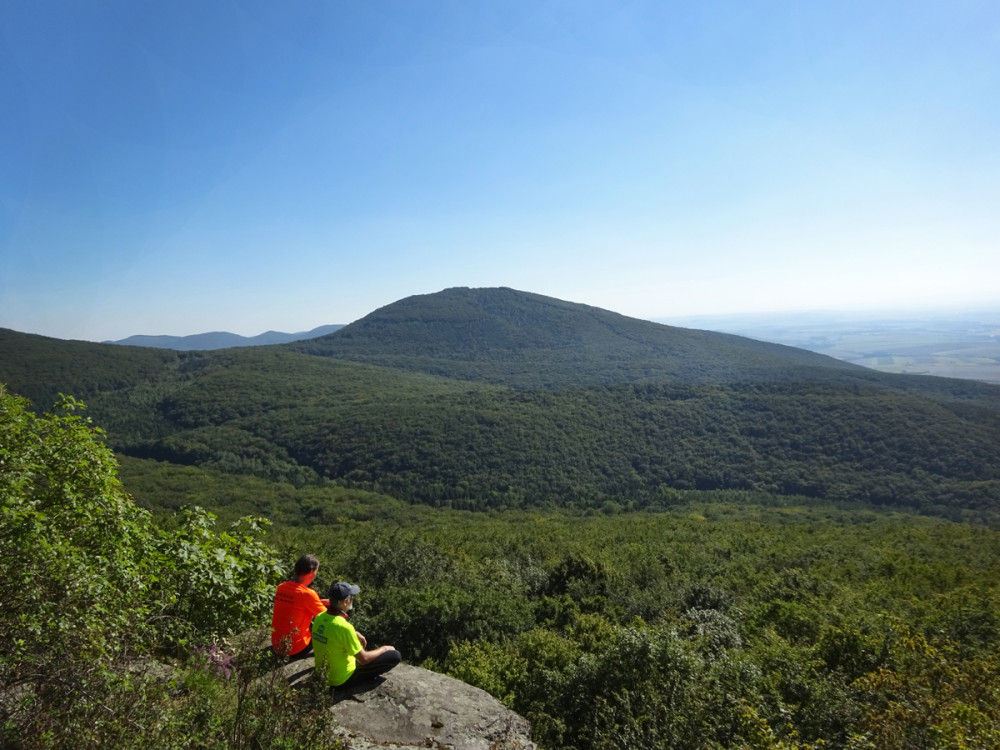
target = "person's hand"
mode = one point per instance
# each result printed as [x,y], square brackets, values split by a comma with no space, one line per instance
[364,641]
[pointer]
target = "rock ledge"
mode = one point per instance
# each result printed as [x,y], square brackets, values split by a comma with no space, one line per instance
[411,708]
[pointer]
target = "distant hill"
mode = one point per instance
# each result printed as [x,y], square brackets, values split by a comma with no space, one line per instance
[222,340]
[493,398]
[525,340]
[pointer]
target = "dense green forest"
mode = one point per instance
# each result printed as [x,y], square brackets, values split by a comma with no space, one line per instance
[725,619]
[500,399]
[714,625]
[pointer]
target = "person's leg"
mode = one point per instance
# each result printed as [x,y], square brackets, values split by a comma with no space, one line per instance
[380,665]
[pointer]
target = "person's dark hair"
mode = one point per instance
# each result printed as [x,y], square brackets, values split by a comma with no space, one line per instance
[305,564]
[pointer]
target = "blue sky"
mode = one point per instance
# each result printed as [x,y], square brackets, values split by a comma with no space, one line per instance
[175,168]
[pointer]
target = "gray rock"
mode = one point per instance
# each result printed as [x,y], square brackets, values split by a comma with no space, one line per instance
[410,708]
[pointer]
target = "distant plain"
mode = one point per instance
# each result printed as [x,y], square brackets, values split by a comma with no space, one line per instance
[953,345]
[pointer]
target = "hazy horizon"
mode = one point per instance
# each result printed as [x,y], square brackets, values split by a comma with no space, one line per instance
[174,170]
[729,322]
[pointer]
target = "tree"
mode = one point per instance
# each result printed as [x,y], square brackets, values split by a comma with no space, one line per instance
[75,551]
[91,587]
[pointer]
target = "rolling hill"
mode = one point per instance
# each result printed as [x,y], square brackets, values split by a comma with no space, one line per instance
[491,398]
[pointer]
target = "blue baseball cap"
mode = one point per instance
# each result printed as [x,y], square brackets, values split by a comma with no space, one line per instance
[340,591]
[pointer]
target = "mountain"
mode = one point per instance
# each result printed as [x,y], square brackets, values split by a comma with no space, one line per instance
[221,339]
[493,398]
[528,341]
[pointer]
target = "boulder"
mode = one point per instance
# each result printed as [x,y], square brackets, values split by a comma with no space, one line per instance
[410,708]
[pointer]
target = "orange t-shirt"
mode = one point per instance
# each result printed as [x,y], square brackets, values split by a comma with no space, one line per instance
[295,606]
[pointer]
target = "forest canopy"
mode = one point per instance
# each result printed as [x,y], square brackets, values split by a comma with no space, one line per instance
[720,621]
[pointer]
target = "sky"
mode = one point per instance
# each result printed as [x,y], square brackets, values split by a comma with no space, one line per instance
[177,168]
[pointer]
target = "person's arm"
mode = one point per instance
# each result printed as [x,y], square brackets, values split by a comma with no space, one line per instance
[367,657]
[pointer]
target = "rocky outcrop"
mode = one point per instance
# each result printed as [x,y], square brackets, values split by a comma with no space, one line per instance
[411,708]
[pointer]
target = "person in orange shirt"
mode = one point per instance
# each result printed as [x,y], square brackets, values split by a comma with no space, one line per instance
[295,605]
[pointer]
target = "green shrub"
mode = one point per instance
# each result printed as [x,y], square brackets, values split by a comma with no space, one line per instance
[76,553]
[91,588]
[213,583]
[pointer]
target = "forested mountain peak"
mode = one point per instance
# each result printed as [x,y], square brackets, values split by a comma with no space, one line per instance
[527,340]
[499,398]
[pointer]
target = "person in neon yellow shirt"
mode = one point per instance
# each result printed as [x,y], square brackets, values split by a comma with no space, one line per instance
[340,651]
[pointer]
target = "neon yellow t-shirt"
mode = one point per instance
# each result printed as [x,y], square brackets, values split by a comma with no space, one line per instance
[335,643]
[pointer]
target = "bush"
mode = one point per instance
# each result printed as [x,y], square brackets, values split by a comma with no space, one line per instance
[91,588]
[76,553]
[213,584]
